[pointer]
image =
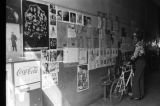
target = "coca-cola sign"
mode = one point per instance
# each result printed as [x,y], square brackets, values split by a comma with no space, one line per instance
[26,72]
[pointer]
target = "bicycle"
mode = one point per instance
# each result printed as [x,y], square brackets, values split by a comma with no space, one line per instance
[119,86]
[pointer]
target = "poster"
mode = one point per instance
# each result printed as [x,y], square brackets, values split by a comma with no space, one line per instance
[53,55]
[82,78]
[52,21]
[47,81]
[35,26]
[71,31]
[45,56]
[60,55]
[87,21]
[79,19]
[66,15]
[13,41]
[72,17]
[54,67]
[83,56]
[97,57]
[52,31]
[53,43]
[59,14]
[52,14]
[54,76]
[91,59]
[70,55]
[49,74]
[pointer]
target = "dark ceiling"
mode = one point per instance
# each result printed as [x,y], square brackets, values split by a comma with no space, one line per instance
[157,2]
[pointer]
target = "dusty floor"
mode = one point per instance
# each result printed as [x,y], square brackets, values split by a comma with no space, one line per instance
[152,94]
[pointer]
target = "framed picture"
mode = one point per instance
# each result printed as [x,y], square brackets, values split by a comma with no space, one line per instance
[35,26]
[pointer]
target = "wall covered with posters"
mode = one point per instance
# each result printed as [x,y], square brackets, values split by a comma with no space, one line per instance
[77,44]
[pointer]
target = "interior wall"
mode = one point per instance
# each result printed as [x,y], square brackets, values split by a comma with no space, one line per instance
[129,11]
[136,11]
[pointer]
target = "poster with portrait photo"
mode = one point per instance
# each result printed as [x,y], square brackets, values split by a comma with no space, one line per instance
[72,17]
[52,19]
[35,26]
[82,78]
[53,43]
[52,31]
[79,19]
[53,55]
[65,15]
[52,8]
[45,56]
[14,47]
[60,55]
[87,21]
[59,15]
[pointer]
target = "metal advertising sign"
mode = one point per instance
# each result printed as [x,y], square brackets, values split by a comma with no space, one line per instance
[26,72]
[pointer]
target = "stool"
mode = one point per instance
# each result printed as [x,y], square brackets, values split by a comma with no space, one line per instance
[106,85]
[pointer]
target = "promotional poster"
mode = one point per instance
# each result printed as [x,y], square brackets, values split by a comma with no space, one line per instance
[82,78]
[35,26]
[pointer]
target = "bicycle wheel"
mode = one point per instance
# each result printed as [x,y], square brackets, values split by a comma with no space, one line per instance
[116,91]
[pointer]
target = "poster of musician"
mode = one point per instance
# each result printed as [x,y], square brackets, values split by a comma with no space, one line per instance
[35,26]
[82,78]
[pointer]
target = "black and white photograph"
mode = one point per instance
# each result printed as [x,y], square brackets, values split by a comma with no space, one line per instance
[82,78]
[72,17]
[53,55]
[60,55]
[59,15]
[82,52]
[79,19]
[66,16]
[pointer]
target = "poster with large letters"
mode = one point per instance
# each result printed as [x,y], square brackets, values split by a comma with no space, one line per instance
[35,26]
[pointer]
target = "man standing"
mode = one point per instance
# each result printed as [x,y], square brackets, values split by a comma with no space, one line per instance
[13,40]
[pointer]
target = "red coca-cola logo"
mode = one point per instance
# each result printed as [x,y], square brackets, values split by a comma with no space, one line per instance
[27,71]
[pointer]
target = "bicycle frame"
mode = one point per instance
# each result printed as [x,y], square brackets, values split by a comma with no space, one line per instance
[122,83]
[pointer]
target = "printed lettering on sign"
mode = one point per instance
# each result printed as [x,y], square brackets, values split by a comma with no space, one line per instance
[26,72]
